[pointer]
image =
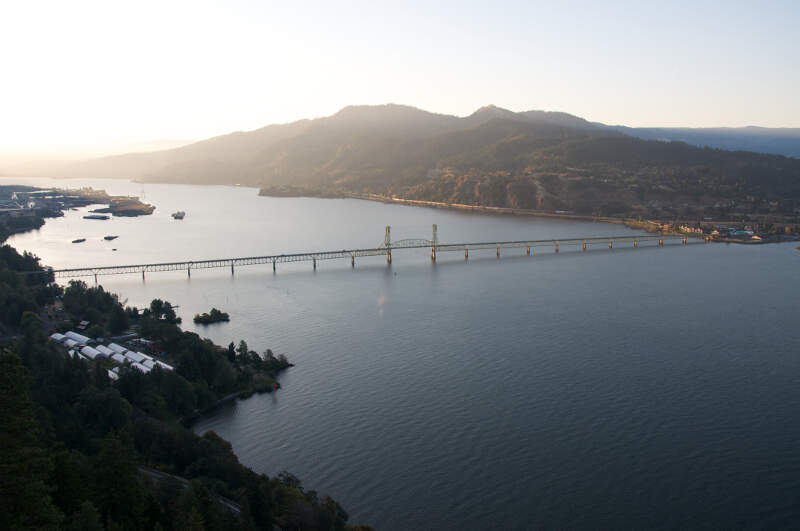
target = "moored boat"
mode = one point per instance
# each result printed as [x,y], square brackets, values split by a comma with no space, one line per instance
[79,240]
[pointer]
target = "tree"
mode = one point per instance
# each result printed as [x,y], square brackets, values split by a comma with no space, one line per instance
[117,489]
[242,352]
[86,519]
[25,467]
[72,480]
[65,326]
[190,521]
[163,311]
[96,331]
[31,323]
[118,320]
[76,301]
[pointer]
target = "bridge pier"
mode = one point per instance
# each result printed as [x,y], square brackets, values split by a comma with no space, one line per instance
[388,250]
[434,241]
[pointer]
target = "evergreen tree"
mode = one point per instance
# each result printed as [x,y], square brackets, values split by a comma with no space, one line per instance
[116,482]
[25,467]
[118,320]
[86,519]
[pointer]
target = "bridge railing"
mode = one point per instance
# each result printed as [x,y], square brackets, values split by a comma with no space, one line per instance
[353,254]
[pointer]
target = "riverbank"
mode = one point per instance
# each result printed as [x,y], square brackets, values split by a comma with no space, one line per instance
[123,206]
[187,420]
[483,209]
[21,200]
[771,230]
[689,228]
[58,392]
[25,208]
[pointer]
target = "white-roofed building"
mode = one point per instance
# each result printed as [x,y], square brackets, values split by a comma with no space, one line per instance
[57,337]
[119,358]
[91,353]
[117,348]
[105,351]
[77,337]
[149,363]
[69,343]
[135,357]
[164,365]
[113,375]
[140,367]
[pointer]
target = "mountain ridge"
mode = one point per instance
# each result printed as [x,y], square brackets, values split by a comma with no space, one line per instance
[232,149]
[492,157]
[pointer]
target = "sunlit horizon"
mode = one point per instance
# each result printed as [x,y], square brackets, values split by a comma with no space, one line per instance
[91,78]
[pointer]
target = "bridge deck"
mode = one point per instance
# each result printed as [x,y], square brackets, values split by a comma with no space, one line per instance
[347,253]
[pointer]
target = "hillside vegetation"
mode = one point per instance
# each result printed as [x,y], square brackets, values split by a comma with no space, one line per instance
[80,450]
[494,157]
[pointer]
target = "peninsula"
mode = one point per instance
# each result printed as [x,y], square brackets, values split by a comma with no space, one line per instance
[91,423]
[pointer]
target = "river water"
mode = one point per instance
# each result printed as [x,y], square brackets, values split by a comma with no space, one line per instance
[625,388]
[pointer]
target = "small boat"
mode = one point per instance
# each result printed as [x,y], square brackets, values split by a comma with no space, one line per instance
[79,240]
[114,249]
[178,215]
[109,238]
[95,216]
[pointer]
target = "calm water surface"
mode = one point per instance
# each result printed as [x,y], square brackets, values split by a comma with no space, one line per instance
[609,389]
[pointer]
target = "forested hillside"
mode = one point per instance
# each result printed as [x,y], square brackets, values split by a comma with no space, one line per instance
[492,157]
[79,451]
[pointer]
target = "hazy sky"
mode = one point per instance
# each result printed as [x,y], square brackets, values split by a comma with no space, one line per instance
[79,74]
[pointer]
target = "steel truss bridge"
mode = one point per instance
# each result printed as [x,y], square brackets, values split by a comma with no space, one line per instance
[385,249]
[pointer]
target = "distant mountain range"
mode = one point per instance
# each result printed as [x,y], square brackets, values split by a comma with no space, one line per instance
[776,141]
[532,159]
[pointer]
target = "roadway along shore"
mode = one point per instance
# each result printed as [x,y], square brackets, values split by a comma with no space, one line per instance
[486,209]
